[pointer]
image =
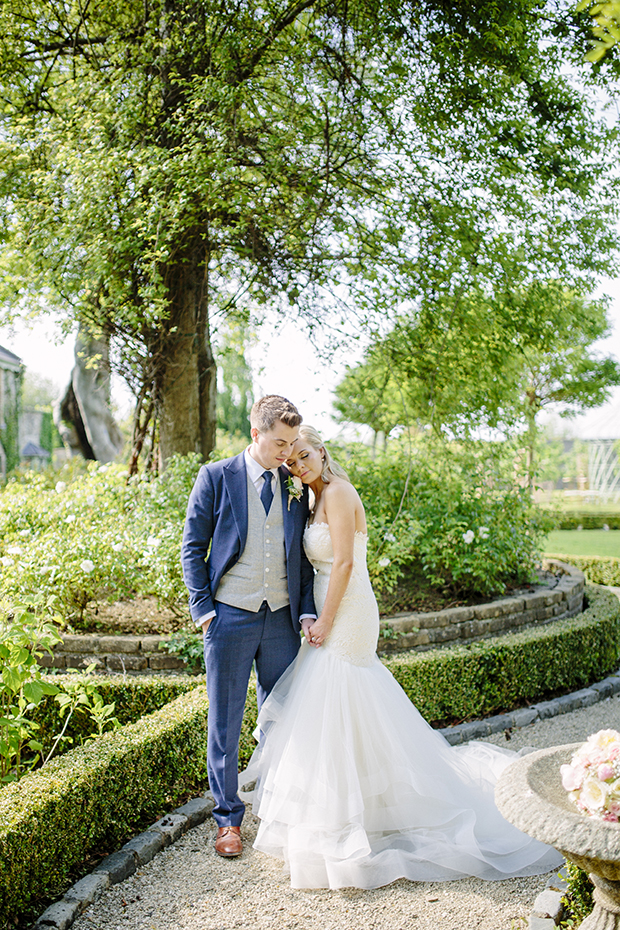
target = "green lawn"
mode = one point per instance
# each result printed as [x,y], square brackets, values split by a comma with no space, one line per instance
[584,542]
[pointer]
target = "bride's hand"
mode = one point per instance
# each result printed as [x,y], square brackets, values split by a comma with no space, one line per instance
[319,631]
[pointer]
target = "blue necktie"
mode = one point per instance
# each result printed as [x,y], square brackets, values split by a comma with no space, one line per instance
[266,495]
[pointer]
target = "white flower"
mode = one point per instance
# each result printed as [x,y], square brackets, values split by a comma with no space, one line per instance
[469,536]
[389,537]
[606,527]
[116,547]
[15,550]
[483,532]
[153,542]
[87,566]
[90,500]
[70,518]
[102,468]
[60,486]
[593,793]
[297,482]
[383,563]
[6,561]
[24,532]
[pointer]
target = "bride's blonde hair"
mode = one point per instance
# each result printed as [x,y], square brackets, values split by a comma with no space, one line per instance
[331,469]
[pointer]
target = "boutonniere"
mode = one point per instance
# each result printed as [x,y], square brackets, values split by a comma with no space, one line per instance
[295,488]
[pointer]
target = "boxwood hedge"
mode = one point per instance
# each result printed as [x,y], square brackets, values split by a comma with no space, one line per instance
[132,698]
[465,682]
[570,520]
[96,795]
[599,569]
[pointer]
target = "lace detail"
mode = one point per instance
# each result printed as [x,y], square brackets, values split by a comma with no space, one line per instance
[356,625]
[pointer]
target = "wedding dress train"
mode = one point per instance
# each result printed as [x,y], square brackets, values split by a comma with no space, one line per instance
[353,787]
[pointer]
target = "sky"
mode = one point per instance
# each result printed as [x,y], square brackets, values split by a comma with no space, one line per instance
[285,362]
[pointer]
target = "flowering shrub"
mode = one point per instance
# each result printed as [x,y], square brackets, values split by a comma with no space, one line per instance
[592,778]
[454,512]
[90,535]
[87,534]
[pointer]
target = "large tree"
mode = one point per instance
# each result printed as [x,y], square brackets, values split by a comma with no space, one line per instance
[164,163]
[480,361]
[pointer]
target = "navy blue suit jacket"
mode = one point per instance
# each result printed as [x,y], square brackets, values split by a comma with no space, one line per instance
[216,529]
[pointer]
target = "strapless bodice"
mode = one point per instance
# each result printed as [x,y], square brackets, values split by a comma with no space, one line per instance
[356,625]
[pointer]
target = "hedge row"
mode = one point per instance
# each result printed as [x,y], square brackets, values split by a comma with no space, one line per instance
[133,698]
[588,521]
[600,569]
[465,682]
[96,796]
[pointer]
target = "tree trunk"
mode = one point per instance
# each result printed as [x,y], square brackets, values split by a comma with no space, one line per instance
[187,384]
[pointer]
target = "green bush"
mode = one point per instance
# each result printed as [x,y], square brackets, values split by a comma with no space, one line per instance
[465,682]
[132,698]
[571,520]
[599,569]
[452,511]
[89,535]
[94,796]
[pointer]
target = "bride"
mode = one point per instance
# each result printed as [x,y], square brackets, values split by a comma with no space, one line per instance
[353,787]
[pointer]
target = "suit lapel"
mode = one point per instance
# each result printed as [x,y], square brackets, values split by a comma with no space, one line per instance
[236,481]
[288,514]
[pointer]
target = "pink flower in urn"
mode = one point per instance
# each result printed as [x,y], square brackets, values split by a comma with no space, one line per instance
[572,776]
[605,771]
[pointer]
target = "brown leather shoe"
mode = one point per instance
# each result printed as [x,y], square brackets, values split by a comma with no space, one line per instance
[228,842]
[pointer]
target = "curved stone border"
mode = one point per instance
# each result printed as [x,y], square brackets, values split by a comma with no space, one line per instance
[423,631]
[120,865]
[143,655]
[142,848]
[476,729]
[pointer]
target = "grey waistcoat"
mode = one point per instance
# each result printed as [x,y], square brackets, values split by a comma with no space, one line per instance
[260,573]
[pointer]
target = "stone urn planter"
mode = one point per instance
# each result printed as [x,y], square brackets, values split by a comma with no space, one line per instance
[530,795]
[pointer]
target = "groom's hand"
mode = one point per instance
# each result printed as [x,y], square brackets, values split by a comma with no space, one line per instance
[306,623]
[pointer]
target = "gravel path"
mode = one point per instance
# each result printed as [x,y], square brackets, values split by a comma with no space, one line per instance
[189,887]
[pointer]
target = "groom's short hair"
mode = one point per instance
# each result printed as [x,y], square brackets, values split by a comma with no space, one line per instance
[266,412]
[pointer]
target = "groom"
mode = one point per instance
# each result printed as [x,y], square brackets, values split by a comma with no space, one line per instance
[250,588]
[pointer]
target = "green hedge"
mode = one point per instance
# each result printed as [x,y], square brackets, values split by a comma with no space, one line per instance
[600,569]
[133,698]
[570,520]
[96,796]
[465,682]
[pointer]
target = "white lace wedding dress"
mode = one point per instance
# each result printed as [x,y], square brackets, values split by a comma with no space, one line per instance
[354,788]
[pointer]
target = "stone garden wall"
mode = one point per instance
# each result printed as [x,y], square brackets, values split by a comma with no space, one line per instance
[141,655]
[543,604]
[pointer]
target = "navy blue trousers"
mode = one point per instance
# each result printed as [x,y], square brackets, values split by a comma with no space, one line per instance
[234,641]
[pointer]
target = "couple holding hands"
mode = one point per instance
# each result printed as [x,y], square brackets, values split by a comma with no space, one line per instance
[353,787]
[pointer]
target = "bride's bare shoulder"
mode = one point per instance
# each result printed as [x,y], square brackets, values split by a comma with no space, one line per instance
[339,491]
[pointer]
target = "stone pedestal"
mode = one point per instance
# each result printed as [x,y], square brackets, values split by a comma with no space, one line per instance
[530,795]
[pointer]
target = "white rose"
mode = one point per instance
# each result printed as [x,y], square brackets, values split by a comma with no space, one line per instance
[469,536]
[383,563]
[593,793]
[297,482]
[60,486]
[87,566]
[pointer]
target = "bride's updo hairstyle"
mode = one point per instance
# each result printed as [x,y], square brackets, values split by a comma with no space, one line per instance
[331,469]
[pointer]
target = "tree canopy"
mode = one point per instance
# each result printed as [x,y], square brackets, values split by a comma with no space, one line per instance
[163,164]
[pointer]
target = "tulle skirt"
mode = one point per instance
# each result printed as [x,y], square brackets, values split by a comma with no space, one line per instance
[354,788]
